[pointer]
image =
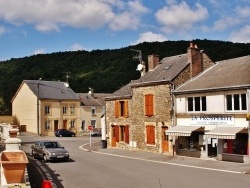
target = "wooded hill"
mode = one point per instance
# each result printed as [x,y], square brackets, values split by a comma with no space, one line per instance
[103,70]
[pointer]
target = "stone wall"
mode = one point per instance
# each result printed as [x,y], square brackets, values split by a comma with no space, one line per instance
[162,109]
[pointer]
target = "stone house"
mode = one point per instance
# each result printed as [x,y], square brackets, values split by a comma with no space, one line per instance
[138,114]
[45,106]
[211,111]
[91,109]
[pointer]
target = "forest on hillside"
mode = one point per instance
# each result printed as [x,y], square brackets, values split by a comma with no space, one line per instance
[103,70]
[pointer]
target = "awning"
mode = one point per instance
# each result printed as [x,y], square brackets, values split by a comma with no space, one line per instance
[224,132]
[182,130]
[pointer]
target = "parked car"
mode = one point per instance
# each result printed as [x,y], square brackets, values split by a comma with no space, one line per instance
[49,151]
[64,133]
[96,132]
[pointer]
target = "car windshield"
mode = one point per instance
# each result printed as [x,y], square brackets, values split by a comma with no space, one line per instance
[52,145]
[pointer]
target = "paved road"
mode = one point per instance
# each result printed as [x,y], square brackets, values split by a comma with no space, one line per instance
[97,167]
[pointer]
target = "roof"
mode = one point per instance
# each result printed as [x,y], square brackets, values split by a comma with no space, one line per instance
[232,73]
[166,71]
[51,90]
[96,99]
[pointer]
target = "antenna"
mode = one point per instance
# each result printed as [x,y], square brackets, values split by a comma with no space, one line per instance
[67,76]
[138,56]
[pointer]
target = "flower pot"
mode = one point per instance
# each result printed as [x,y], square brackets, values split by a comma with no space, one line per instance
[13,165]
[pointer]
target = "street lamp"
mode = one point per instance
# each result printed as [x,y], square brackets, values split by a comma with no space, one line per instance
[38,112]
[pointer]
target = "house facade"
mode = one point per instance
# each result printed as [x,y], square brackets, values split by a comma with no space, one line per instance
[138,114]
[210,113]
[45,106]
[91,109]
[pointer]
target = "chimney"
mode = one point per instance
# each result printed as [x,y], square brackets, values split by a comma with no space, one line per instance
[195,59]
[153,61]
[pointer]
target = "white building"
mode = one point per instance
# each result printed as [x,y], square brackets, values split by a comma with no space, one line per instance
[210,113]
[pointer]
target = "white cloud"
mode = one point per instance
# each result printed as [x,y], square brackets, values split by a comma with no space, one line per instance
[49,15]
[76,47]
[180,16]
[39,51]
[2,30]
[149,37]
[242,36]
[225,23]
[243,11]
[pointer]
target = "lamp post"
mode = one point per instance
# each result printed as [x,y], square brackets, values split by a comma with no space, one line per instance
[38,111]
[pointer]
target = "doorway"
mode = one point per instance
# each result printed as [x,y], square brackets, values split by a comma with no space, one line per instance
[55,125]
[115,135]
[165,142]
[65,124]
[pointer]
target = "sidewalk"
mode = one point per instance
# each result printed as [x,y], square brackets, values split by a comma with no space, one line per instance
[208,164]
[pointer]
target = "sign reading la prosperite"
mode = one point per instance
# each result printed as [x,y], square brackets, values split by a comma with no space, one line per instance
[212,120]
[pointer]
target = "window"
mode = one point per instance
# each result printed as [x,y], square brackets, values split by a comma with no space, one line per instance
[236,102]
[93,123]
[47,125]
[197,104]
[72,124]
[121,108]
[72,110]
[93,110]
[47,109]
[83,125]
[64,108]
[150,133]
[124,133]
[149,105]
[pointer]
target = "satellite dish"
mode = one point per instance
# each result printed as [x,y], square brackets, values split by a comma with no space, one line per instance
[139,67]
[66,84]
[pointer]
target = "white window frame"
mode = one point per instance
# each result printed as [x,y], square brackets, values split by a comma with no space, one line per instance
[93,123]
[72,110]
[47,125]
[72,124]
[64,109]
[233,102]
[47,109]
[194,102]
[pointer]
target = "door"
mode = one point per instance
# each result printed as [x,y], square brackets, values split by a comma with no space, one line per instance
[64,124]
[212,147]
[55,125]
[165,143]
[115,135]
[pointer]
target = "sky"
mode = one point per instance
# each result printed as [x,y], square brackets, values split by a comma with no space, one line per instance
[29,27]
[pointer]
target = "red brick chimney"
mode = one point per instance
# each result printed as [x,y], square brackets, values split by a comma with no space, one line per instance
[195,59]
[153,61]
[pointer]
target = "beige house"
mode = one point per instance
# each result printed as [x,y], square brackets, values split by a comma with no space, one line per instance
[45,106]
[211,111]
[91,109]
[138,114]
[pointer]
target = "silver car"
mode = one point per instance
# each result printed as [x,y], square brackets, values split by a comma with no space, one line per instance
[49,151]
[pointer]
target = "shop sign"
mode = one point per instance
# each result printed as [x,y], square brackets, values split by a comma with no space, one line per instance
[212,120]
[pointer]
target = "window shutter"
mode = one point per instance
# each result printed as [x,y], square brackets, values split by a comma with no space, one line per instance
[149,105]
[117,133]
[126,108]
[116,109]
[127,134]
[150,134]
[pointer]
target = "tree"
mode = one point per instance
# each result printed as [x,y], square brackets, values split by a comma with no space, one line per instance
[3,107]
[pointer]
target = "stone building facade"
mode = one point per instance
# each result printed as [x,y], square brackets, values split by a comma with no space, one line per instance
[147,104]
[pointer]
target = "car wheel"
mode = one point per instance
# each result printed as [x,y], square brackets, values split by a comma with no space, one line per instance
[73,135]
[45,158]
[60,135]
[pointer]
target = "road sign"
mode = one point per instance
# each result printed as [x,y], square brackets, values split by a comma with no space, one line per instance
[90,127]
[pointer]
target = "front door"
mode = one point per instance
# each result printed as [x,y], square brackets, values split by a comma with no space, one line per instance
[55,125]
[115,135]
[64,124]
[165,143]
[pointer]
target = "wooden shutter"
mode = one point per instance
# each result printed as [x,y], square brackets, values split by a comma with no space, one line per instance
[116,109]
[127,134]
[149,107]
[150,131]
[117,133]
[126,108]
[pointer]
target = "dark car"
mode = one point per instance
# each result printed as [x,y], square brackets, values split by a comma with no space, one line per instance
[64,133]
[49,151]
